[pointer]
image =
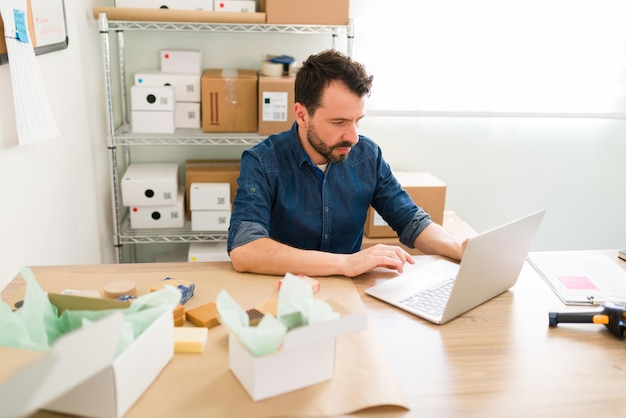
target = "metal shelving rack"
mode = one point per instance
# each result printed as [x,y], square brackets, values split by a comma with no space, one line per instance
[122,137]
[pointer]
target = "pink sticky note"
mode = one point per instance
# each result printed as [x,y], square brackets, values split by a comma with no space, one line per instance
[577,282]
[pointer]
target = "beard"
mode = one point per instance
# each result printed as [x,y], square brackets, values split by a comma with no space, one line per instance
[326,150]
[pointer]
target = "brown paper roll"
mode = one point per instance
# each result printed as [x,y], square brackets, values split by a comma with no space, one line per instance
[167,15]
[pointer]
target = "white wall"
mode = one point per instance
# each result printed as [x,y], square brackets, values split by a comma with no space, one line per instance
[55,205]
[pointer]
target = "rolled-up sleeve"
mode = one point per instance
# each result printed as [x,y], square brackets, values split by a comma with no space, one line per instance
[251,214]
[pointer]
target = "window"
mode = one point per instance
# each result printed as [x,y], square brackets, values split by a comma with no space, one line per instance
[546,57]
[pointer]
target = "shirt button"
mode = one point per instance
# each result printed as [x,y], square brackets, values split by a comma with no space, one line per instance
[253,189]
[325,236]
[326,209]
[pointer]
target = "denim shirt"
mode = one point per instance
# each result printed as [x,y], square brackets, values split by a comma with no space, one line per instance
[283,196]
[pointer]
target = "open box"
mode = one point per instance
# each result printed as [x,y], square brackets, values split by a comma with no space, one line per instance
[307,357]
[80,375]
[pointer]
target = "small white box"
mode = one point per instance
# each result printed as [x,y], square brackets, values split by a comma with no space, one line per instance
[187,115]
[209,196]
[80,375]
[181,61]
[154,98]
[306,357]
[199,5]
[207,252]
[149,122]
[186,86]
[150,184]
[210,220]
[159,217]
[244,6]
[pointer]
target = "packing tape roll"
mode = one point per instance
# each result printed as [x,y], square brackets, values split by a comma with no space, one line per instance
[271,69]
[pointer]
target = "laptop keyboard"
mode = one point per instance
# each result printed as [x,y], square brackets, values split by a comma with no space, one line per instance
[431,301]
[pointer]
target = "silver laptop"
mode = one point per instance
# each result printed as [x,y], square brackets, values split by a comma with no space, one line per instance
[442,290]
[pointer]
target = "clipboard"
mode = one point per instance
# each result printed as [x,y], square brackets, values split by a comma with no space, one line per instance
[581,279]
[47,28]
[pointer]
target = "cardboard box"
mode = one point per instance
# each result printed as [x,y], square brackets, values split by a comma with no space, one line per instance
[209,196]
[186,86]
[187,115]
[307,357]
[306,12]
[80,375]
[426,190]
[276,104]
[207,252]
[159,217]
[181,61]
[210,220]
[205,171]
[229,100]
[150,184]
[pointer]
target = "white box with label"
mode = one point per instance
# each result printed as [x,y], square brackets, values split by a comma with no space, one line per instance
[187,115]
[159,98]
[186,86]
[181,61]
[243,6]
[149,122]
[210,220]
[200,252]
[306,357]
[159,217]
[150,184]
[198,5]
[209,196]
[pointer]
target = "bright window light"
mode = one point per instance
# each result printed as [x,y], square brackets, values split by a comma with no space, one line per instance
[494,56]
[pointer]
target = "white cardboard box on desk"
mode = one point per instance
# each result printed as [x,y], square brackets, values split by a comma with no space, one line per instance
[80,375]
[307,357]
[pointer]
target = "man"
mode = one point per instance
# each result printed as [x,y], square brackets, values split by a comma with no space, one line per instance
[304,194]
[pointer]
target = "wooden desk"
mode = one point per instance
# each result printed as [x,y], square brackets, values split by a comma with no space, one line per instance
[500,359]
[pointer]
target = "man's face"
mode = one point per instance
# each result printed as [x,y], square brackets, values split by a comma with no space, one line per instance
[333,130]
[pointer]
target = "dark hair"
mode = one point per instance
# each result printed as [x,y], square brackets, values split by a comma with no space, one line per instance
[320,70]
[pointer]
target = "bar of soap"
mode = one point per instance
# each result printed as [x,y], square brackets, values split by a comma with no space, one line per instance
[270,306]
[205,315]
[254,316]
[179,315]
[119,288]
[190,339]
[186,288]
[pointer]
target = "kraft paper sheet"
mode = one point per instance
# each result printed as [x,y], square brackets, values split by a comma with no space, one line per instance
[201,385]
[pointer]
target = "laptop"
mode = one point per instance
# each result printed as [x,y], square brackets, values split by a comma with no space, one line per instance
[442,290]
